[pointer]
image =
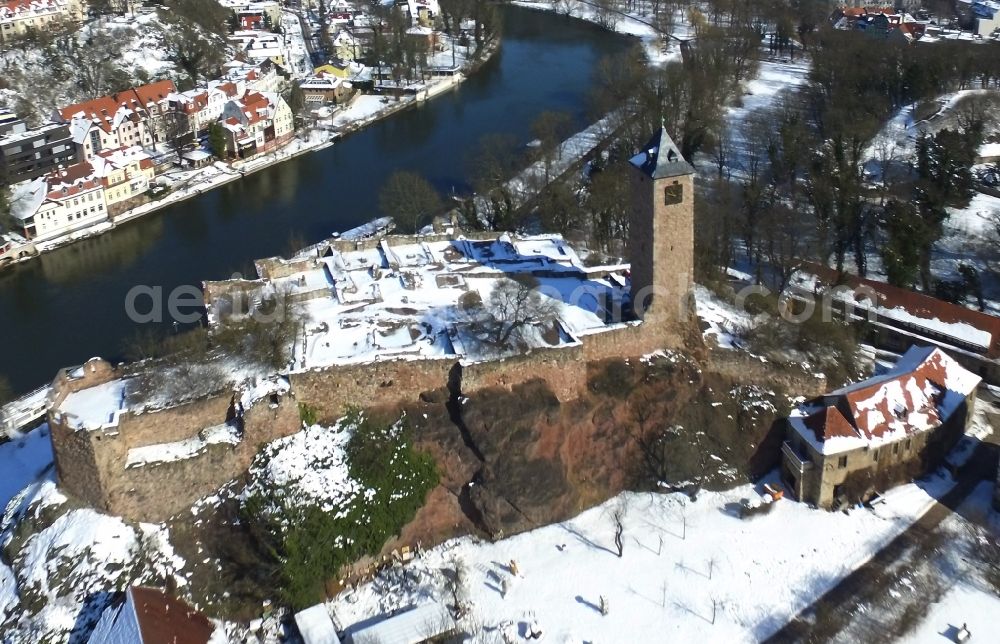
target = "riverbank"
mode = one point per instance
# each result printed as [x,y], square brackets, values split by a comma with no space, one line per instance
[361,112]
[660,47]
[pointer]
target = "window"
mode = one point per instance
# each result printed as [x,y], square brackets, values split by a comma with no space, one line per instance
[673,194]
[895,448]
[907,444]
[842,462]
[875,455]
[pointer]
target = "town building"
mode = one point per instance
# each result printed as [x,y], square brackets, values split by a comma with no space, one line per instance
[258,46]
[325,89]
[126,174]
[859,440]
[30,153]
[203,106]
[19,17]
[257,122]
[984,17]
[62,202]
[133,117]
[880,22]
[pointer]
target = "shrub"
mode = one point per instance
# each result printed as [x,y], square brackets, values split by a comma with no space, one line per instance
[312,543]
[308,414]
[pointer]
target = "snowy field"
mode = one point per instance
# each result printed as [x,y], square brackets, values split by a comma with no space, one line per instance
[690,570]
[964,604]
[969,599]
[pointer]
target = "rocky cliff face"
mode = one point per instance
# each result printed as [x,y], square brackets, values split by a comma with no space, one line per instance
[515,460]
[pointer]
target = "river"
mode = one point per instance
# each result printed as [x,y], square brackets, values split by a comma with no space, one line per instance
[69,305]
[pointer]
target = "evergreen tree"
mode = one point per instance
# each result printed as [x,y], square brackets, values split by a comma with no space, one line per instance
[217,141]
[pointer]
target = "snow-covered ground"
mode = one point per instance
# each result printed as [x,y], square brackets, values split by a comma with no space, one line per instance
[632,24]
[46,79]
[23,460]
[966,605]
[777,78]
[690,570]
[721,319]
[969,599]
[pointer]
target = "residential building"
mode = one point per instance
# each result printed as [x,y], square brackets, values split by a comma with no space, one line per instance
[861,439]
[17,17]
[125,174]
[345,47]
[325,89]
[352,71]
[423,12]
[984,17]
[203,106]
[153,99]
[150,616]
[259,46]
[257,122]
[61,202]
[133,117]
[264,76]
[28,154]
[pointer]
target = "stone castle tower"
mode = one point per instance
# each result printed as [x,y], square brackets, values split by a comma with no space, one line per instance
[661,237]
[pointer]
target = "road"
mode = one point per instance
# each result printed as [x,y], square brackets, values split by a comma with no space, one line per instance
[834,615]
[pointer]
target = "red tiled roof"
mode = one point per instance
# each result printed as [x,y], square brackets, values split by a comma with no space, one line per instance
[167,620]
[917,304]
[829,423]
[155,92]
[103,109]
[71,181]
[908,400]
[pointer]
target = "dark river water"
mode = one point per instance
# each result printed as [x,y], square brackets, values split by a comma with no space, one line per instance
[69,305]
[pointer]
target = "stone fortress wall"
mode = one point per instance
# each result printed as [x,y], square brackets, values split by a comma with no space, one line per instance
[92,464]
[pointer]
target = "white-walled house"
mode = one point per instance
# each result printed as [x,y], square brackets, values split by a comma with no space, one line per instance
[62,202]
[204,106]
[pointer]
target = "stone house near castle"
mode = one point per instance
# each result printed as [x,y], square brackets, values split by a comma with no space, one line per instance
[886,430]
[382,327]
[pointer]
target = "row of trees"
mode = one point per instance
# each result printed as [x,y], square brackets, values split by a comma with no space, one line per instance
[814,181]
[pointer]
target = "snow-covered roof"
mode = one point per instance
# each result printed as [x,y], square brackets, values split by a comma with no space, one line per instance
[661,158]
[417,624]
[918,394]
[316,626]
[27,197]
[921,314]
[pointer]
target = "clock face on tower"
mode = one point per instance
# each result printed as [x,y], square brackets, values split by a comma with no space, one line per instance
[673,194]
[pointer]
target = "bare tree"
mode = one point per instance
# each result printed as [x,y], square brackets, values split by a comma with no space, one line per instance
[409,198]
[267,333]
[512,305]
[607,14]
[551,128]
[618,513]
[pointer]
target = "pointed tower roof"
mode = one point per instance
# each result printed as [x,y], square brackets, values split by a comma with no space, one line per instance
[661,158]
